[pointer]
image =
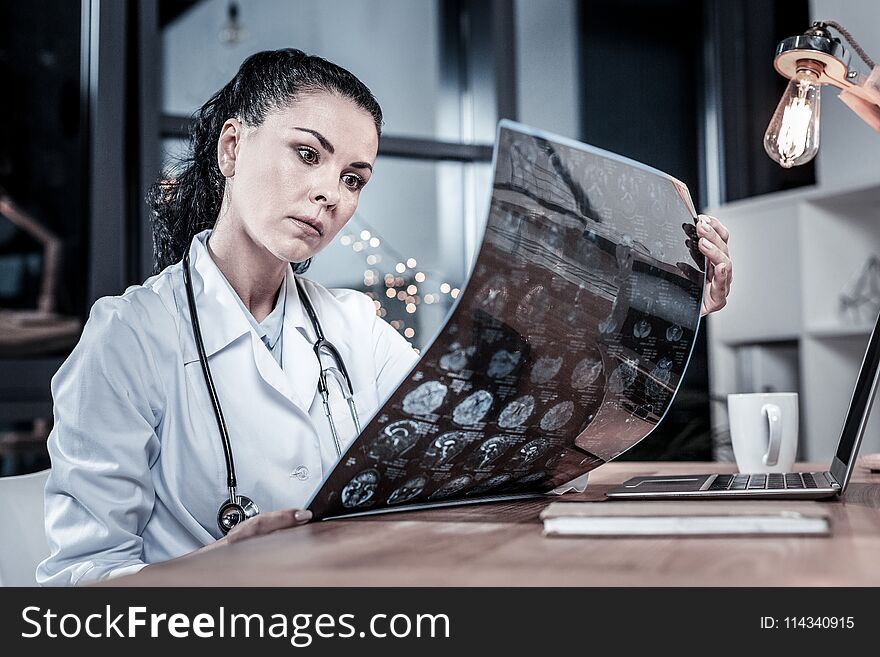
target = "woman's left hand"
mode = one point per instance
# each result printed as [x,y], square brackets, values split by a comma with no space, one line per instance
[712,243]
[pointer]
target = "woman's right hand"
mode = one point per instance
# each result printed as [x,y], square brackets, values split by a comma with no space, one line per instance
[264,523]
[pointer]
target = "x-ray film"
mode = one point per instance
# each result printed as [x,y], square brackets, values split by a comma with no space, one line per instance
[564,349]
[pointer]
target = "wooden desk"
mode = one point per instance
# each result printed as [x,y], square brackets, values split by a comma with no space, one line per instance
[501,544]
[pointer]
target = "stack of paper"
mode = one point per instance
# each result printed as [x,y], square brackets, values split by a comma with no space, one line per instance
[686,518]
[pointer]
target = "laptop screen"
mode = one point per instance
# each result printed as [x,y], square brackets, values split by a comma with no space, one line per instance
[859,409]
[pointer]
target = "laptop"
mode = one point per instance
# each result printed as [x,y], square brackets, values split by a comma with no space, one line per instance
[791,485]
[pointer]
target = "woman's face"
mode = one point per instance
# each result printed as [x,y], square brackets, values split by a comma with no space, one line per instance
[295,180]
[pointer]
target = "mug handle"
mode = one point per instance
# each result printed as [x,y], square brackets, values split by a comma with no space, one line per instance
[774,420]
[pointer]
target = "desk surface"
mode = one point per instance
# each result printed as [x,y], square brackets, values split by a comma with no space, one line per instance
[501,544]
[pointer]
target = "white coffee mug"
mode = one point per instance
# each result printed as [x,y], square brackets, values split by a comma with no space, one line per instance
[764,430]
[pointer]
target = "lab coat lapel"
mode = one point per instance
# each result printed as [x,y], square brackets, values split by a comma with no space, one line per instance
[301,367]
[298,380]
[271,372]
[223,323]
[220,317]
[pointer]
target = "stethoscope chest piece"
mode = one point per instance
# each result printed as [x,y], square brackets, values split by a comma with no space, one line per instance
[232,513]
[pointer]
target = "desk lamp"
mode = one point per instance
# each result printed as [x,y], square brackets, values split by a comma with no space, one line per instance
[810,60]
[32,332]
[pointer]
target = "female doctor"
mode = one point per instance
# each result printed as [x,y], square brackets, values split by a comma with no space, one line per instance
[189,415]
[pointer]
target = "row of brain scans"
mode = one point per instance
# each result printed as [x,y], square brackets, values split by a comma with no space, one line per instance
[399,440]
[429,396]
[362,488]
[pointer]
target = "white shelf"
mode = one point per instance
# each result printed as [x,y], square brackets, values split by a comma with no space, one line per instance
[839,330]
[863,193]
[794,253]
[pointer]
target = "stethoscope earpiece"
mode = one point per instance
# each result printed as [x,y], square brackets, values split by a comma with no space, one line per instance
[233,513]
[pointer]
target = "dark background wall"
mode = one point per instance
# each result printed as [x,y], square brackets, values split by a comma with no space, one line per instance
[652,70]
[42,151]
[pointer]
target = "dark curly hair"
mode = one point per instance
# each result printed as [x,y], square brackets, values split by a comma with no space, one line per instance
[268,80]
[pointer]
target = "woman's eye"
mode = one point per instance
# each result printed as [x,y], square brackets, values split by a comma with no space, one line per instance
[352,181]
[307,155]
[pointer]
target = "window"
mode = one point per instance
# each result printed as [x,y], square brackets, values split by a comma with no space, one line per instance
[426,63]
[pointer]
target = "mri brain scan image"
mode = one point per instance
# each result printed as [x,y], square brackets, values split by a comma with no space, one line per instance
[516,412]
[489,452]
[545,368]
[408,491]
[425,399]
[446,446]
[473,408]
[532,450]
[503,362]
[558,416]
[456,360]
[586,372]
[451,487]
[396,439]
[623,376]
[660,376]
[360,490]
[642,329]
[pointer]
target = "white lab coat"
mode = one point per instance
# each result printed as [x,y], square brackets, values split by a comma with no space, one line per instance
[138,471]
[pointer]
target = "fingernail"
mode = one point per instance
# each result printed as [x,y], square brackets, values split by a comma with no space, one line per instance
[706,243]
[720,268]
[303,515]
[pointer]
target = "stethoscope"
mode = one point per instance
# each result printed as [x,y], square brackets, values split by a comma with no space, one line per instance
[237,508]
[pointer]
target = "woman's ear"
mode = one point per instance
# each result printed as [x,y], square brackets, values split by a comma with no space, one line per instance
[227,146]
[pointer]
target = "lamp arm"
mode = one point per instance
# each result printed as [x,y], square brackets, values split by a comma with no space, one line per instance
[850,38]
[862,96]
[24,221]
[864,99]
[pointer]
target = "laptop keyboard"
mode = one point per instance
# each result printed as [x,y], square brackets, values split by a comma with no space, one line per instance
[772,481]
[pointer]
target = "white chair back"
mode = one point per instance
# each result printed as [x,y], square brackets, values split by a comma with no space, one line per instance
[22,531]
